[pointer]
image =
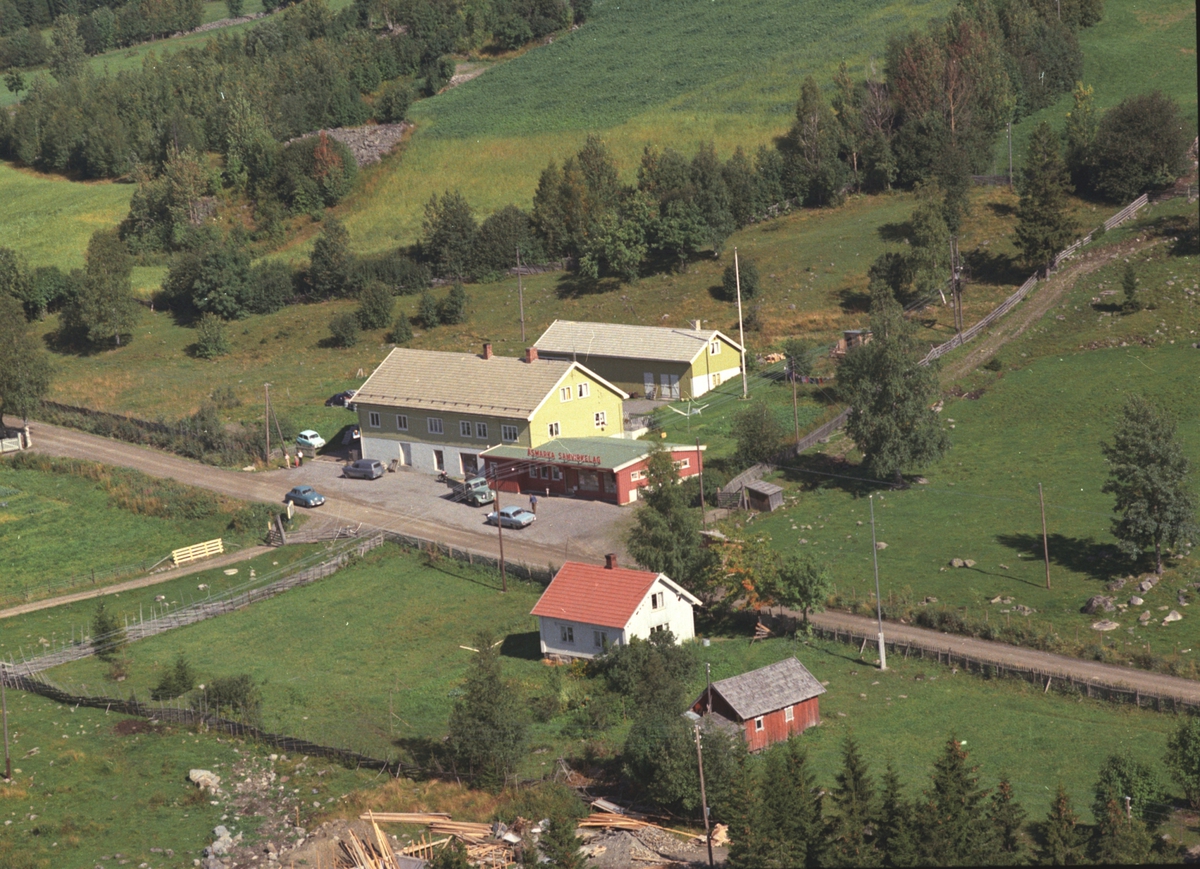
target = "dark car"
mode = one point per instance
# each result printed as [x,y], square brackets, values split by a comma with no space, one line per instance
[342,399]
[511,517]
[304,496]
[367,469]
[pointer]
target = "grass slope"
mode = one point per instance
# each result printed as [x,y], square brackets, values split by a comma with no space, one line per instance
[370,658]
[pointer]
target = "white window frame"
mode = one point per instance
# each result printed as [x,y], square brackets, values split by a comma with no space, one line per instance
[373,419]
[789,713]
[554,429]
[464,428]
[481,430]
[716,378]
[585,389]
[657,600]
[682,464]
[759,725]
[434,425]
[565,393]
[509,433]
[401,422]
[567,633]
[714,347]
[634,476]
[601,638]
[601,418]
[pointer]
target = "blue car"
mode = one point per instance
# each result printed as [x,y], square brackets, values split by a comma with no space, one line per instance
[511,517]
[304,496]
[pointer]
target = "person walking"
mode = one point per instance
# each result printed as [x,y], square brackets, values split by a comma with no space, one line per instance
[533,504]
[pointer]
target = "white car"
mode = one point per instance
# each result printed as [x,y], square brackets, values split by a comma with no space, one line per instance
[309,438]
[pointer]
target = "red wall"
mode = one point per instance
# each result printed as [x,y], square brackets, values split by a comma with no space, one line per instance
[775,729]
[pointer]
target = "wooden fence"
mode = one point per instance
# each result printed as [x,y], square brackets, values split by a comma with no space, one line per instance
[188,554]
[1044,679]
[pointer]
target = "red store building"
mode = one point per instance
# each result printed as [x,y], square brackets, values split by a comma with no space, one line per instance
[600,469]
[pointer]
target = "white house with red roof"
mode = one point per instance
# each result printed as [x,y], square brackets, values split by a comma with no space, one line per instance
[587,607]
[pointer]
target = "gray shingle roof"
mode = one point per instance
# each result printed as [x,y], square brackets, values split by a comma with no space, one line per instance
[769,688]
[630,342]
[463,382]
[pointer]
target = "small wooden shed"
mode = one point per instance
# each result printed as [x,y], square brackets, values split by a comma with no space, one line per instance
[767,705]
[763,497]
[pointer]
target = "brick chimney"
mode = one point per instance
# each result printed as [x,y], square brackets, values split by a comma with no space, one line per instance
[487,350]
[610,561]
[531,354]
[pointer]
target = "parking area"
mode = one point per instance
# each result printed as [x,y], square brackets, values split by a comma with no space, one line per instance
[575,526]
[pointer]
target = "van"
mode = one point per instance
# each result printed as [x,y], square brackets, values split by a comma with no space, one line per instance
[367,469]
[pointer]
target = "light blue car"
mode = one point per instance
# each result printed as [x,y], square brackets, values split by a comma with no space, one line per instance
[304,496]
[309,438]
[511,517]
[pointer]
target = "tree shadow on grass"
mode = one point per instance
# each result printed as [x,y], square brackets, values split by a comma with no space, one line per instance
[854,301]
[896,232]
[1081,555]
[431,755]
[525,645]
[1002,209]
[573,286]
[996,268]
[822,471]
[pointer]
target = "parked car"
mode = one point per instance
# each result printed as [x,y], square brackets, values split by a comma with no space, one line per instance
[343,399]
[475,491]
[305,496]
[309,438]
[367,469]
[511,517]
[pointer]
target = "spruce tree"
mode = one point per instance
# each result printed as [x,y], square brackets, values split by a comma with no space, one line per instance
[108,634]
[890,396]
[1120,840]
[1007,817]
[851,834]
[1063,839]
[952,821]
[1043,225]
[488,724]
[744,818]
[560,845]
[427,311]
[1129,283]
[331,261]
[452,310]
[402,331]
[790,829]
[1148,474]
[896,823]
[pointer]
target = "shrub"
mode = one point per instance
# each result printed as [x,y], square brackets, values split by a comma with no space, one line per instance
[392,105]
[749,278]
[427,311]
[270,287]
[993,364]
[401,330]
[375,305]
[1140,144]
[174,682]
[1122,775]
[452,310]
[313,173]
[343,330]
[210,337]
[231,696]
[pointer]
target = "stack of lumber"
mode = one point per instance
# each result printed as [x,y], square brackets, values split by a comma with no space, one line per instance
[472,834]
[611,821]
[420,819]
[367,855]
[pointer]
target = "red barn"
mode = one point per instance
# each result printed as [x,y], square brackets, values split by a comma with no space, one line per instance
[768,705]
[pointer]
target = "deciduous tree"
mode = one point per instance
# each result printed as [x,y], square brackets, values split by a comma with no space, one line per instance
[375,303]
[758,432]
[1149,475]
[1123,775]
[1183,758]
[1140,144]
[105,307]
[801,583]
[25,370]
[331,262]
[890,396]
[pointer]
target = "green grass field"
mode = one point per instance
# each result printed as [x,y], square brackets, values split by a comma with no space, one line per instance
[88,786]
[1039,420]
[60,526]
[370,659]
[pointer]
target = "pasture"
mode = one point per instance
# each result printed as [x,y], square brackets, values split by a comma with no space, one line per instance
[65,524]
[370,659]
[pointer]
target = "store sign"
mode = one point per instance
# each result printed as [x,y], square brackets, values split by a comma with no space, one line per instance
[566,458]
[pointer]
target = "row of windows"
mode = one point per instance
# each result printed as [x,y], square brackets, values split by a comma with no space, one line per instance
[789,715]
[466,429]
[566,393]
[567,635]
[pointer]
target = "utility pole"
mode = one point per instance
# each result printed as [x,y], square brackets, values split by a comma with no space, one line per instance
[956,286]
[704,798]
[4,704]
[499,529]
[737,277]
[795,406]
[700,464]
[521,294]
[878,599]
[708,690]
[267,418]
[1045,540]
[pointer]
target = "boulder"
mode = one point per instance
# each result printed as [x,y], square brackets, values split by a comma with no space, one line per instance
[1021,609]
[1144,618]
[881,545]
[205,780]
[1105,625]
[1136,601]
[968,563]
[1145,586]
[1098,603]
[1172,616]
[957,562]
[1116,585]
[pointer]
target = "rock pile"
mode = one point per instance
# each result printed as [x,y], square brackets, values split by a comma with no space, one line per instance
[1098,603]
[369,143]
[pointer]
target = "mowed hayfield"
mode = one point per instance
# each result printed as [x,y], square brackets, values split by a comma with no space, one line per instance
[1039,419]
[371,658]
